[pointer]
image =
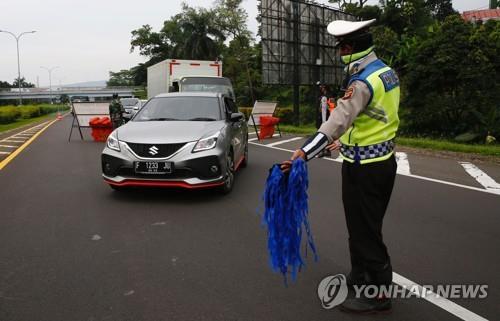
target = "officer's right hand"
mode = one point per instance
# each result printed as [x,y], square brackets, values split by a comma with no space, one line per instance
[286,165]
[334,146]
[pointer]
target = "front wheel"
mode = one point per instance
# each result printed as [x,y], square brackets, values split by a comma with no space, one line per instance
[229,175]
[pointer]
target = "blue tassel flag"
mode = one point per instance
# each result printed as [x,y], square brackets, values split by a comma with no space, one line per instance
[285,214]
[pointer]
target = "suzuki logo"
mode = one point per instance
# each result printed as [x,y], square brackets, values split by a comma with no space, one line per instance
[153,150]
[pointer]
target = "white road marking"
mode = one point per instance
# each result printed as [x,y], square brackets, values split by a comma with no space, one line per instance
[408,175]
[480,176]
[252,133]
[159,223]
[8,146]
[96,237]
[4,153]
[284,141]
[12,141]
[256,138]
[30,131]
[439,301]
[403,164]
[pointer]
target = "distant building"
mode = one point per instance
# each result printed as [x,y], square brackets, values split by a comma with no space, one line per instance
[481,15]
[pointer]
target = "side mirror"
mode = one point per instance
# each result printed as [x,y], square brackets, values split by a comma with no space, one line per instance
[236,117]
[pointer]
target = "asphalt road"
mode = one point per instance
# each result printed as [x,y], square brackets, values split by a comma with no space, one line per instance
[73,249]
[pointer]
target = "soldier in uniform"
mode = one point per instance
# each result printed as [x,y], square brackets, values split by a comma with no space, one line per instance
[365,120]
[116,111]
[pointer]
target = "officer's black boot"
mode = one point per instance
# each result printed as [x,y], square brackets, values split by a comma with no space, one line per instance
[364,305]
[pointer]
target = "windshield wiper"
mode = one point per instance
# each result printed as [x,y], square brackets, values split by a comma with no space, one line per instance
[202,119]
[162,119]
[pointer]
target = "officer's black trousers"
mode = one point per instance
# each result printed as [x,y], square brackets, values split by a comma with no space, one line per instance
[366,191]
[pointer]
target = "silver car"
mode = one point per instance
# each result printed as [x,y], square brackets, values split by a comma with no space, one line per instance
[187,139]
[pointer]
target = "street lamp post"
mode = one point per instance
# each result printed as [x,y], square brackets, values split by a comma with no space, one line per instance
[18,63]
[50,81]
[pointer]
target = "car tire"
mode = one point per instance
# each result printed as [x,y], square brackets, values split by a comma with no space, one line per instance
[244,162]
[229,175]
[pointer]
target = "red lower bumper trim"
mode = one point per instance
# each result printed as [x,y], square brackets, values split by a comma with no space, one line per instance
[163,184]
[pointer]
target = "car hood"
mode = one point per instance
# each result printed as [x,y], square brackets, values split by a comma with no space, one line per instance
[167,132]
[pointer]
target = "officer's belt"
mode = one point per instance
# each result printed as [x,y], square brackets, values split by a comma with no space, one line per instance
[359,153]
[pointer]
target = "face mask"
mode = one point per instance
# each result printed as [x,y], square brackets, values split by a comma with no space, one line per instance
[347,59]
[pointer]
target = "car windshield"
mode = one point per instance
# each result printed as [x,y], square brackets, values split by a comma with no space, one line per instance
[180,108]
[206,84]
[129,101]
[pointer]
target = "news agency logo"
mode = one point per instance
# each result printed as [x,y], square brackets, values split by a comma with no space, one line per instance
[153,150]
[332,291]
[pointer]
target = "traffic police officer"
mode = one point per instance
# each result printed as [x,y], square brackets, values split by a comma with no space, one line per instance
[365,120]
[116,111]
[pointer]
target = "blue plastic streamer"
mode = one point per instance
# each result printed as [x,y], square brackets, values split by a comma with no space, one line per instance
[285,214]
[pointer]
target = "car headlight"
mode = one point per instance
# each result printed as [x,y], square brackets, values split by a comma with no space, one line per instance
[206,143]
[113,141]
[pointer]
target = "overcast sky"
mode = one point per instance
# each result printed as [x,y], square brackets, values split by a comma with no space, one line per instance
[87,39]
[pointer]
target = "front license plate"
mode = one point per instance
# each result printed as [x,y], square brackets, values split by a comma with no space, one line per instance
[153,167]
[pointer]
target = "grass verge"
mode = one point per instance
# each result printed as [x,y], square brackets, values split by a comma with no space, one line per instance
[425,143]
[302,130]
[444,145]
[23,122]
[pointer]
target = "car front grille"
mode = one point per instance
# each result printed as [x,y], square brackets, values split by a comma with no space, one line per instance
[155,150]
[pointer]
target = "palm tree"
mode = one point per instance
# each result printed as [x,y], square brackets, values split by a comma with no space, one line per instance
[203,40]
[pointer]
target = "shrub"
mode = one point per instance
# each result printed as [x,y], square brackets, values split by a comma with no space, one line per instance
[48,109]
[9,114]
[29,111]
[285,115]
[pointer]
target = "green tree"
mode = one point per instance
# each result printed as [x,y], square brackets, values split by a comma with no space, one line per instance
[201,34]
[64,98]
[231,20]
[387,44]
[24,83]
[121,78]
[343,4]
[410,17]
[452,84]
[441,9]
[5,84]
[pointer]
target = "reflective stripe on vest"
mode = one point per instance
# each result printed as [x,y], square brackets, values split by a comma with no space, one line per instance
[379,121]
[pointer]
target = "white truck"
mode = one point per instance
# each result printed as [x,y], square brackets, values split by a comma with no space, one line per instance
[166,75]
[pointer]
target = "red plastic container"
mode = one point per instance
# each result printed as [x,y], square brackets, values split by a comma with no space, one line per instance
[101,128]
[267,124]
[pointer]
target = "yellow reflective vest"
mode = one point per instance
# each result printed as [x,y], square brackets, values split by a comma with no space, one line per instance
[379,120]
